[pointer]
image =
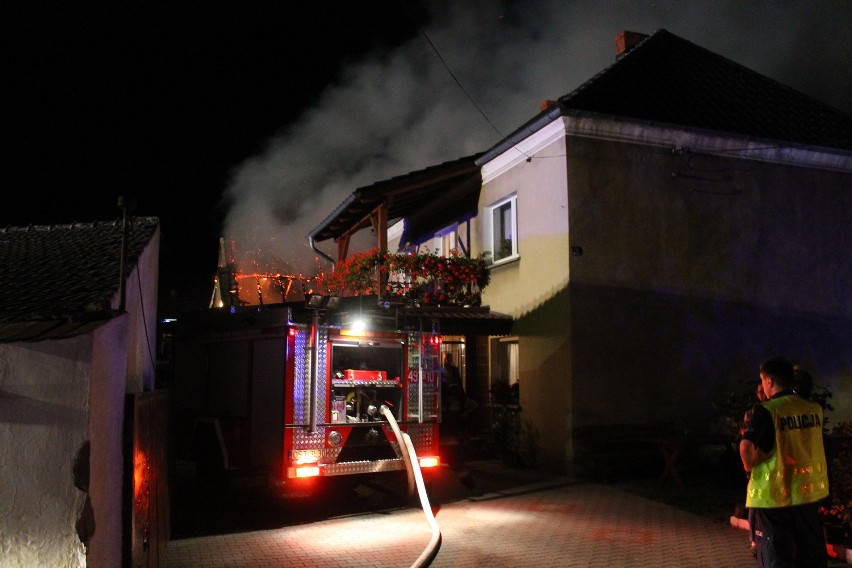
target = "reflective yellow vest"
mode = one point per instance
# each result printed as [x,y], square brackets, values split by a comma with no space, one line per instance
[795,472]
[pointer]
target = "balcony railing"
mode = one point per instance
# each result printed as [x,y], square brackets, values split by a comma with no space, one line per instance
[421,279]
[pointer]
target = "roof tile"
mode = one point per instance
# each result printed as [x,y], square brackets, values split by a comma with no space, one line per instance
[668,79]
[64,271]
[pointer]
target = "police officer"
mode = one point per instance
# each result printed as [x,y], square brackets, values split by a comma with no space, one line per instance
[782,448]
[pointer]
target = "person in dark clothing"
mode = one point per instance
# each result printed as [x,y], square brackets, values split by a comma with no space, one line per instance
[803,383]
[782,448]
[761,397]
[453,431]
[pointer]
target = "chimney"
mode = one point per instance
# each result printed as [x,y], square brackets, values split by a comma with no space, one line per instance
[625,41]
[547,104]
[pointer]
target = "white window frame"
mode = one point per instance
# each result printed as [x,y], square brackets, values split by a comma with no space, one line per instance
[491,211]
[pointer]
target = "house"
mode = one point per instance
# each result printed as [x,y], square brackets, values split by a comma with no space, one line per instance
[662,229]
[655,234]
[77,331]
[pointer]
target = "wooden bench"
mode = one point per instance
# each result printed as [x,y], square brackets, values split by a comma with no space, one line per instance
[612,451]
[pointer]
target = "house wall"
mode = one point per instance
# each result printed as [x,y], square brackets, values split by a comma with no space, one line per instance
[44,402]
[519,286]
[533,290]
[141,307]
[105,430]
[697,267]
[54,396]
[688,268]
[48,391]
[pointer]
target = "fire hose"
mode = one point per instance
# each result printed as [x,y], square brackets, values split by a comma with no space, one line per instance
[409,456]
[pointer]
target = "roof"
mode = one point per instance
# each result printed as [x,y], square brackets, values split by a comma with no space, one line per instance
[386,317]
[59,280]
[411,196]
[461,321]
[667,79]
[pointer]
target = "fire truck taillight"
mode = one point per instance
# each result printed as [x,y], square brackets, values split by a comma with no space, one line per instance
[429,461]
[307,471]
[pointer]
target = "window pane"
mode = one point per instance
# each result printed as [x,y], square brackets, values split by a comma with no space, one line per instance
[502,231]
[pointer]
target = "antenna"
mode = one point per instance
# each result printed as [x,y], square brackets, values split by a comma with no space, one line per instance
[126,205]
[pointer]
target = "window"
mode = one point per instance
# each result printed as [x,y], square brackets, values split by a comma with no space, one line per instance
[503,237]
[454,345]
[505,372]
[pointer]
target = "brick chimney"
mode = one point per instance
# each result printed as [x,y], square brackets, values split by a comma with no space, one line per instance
[625,41]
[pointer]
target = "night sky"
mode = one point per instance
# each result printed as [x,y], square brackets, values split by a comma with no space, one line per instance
[102,100]
[253,120]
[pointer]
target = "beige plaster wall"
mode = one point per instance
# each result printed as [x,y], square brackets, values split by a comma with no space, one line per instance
[533,289]
[541,271]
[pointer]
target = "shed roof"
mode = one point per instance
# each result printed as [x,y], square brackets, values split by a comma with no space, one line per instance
[59,280]
[428,199]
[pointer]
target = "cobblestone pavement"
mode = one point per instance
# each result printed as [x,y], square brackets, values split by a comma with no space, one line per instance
[535,522]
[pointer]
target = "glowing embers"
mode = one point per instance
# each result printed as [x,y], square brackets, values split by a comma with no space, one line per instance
[260,289]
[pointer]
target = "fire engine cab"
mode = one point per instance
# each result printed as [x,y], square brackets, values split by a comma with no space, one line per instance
[290,392]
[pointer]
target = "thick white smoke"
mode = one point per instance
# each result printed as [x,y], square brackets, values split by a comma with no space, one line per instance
[403,111]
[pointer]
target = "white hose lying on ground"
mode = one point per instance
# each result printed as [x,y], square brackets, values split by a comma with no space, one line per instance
[409,456]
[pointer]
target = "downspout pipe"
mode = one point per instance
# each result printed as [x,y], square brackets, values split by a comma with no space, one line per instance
[314,248]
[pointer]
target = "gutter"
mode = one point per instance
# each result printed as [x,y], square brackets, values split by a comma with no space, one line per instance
[531,127]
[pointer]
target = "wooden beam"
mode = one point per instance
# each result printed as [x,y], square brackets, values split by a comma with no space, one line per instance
[379,220]
[342,247]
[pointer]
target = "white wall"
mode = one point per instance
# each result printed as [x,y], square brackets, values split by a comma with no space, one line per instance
[44,399]
[142,310]
[105,430]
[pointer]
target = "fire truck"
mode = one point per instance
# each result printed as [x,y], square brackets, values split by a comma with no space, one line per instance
[294,392]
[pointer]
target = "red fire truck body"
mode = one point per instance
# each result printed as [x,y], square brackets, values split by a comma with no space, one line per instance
[290,394]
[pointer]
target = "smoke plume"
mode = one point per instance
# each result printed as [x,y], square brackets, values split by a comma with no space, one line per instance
[402,111]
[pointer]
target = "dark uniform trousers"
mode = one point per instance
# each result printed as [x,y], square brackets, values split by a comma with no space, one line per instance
[789,532]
